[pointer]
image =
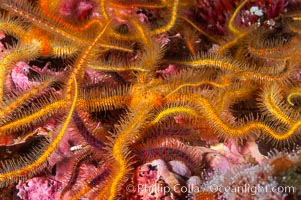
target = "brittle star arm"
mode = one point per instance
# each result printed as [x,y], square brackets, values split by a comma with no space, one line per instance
[120,151]
[35,166]
[26,51]
[103,103]
[33,15]
[205,107]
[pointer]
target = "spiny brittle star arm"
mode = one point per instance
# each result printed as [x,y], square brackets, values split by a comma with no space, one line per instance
[231,21]
[272,107]
[211,62]
[104,103]
[206,108]
[51,108]
[175,110]
[128,130]
[289,97]
[23,52]
[218,85]
[21,99]
[33,166]
[29,15]
[80,63]
[171,22]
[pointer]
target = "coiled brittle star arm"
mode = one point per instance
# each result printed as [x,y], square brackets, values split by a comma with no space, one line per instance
[207,110]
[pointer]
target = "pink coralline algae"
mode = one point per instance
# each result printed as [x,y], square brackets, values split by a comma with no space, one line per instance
[213,15]
[152,181]
[42,188]
[76,9]
[19,76]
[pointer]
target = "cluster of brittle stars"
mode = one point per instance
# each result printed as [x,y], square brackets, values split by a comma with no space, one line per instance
[203,91]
